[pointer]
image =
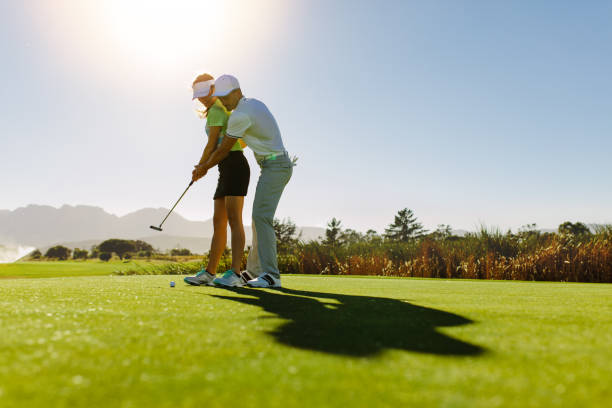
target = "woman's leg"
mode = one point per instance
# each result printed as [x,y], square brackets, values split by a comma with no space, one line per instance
[219,239]
[233,205]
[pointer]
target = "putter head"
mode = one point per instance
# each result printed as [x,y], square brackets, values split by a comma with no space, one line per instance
[155,228]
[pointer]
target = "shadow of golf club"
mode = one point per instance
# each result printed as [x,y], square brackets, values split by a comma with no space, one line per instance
[359,326]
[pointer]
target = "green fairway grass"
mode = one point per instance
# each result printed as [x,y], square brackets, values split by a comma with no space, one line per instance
[51,269]
[133,341]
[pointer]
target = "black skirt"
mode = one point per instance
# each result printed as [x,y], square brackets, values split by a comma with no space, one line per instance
[234,175]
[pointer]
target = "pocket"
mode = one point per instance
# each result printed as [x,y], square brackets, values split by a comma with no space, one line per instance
[284,172]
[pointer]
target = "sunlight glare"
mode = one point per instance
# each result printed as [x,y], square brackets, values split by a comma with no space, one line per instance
[164,32]
[128,40]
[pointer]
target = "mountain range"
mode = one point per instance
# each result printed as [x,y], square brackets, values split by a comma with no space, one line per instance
[82,226]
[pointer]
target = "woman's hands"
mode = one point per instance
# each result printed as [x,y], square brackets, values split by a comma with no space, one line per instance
[198,172]
[216,156]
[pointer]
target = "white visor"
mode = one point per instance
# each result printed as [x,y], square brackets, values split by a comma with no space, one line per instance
[202,88]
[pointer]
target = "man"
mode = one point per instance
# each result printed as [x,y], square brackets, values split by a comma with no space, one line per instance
[252,122]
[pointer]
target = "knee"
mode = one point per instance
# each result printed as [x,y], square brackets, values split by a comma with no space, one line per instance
[261,219]
[219,222]
[235,221]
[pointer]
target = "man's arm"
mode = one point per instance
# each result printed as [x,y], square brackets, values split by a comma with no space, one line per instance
[236,127]
[221,153]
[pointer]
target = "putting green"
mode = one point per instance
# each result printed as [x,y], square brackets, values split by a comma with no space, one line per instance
[132,341]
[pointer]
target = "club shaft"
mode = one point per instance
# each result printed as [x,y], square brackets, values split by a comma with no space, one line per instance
[177,201]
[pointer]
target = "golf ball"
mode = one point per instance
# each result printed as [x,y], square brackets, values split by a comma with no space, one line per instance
[172,284]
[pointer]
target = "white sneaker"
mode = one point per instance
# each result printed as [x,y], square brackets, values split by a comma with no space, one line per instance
[265,281]
[201,278]
[230,279]
[246,276]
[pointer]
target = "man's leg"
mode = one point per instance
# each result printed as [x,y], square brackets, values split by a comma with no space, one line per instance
[253,265]
[272,181]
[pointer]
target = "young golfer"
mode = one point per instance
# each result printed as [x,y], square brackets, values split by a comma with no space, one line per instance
[252,122]
[234,174]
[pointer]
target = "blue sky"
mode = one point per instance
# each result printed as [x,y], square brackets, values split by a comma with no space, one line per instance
[467,112]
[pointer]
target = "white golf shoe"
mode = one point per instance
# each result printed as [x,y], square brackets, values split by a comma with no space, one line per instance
[265,281]
[201,278]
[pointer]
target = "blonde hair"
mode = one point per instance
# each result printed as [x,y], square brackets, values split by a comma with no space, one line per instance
[201,78]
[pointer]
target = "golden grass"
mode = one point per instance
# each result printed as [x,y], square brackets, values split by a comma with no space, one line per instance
[561,260]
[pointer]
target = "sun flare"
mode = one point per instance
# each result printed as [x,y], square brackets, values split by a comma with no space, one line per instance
[162,31]
[131,37]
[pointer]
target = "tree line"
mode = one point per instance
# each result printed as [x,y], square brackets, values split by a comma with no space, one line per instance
[574,252]
[404,228]
[122,248]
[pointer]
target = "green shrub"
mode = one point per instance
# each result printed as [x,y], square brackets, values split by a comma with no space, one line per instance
[80,254]
[58,252]
[105,256]
[118,246]
[180,252]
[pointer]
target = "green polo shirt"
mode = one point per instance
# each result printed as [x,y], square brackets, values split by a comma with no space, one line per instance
[217,115]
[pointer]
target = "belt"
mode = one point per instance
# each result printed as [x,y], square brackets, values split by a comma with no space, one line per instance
[273,156]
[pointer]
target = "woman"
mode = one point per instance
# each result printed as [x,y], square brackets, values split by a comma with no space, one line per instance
[234,174]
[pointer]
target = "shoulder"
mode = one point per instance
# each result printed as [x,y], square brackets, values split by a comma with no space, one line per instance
[253,107]
[253,102]
[216,114]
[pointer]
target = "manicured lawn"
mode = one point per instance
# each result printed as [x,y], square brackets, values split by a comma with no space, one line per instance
[51,269]
[132,341]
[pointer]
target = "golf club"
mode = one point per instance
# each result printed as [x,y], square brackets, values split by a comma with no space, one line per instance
[169,212]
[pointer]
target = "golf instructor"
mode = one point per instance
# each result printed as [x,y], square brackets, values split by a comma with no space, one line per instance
[252,122]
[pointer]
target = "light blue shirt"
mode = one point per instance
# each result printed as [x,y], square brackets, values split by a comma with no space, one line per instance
[252,122]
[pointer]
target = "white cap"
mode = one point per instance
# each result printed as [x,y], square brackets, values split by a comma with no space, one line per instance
[202,88]
[225,84]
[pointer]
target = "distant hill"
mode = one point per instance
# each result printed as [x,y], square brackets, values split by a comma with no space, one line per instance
[82,226]
[200,245]
[41,225]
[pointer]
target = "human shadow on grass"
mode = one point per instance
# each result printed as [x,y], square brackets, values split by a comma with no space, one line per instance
[359,326]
